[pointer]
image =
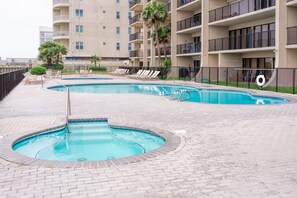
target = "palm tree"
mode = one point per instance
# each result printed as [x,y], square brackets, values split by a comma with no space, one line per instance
[153,16]
[59,51]
[164,33]
[46,53]
[95,59]
[50,52]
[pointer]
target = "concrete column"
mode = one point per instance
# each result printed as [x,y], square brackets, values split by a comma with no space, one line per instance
[204,33]
[281,34]
[145,44]
[173,33]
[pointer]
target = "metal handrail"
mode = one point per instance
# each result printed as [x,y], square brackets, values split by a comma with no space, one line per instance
[68,103]
[182,92]
[175,91]
[167,78]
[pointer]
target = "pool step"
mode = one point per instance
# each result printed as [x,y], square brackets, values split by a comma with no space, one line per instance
[89,136]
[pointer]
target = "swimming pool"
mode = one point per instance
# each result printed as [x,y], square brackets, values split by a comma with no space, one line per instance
[209,96]
[86,78]
[88,141]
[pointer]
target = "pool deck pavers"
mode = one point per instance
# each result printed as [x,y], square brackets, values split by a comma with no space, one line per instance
[225,150]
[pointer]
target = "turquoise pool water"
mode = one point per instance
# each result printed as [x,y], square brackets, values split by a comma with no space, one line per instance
[196,95]
[88,141]
[86,78]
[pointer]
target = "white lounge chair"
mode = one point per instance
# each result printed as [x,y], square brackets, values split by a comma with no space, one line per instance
[154,75]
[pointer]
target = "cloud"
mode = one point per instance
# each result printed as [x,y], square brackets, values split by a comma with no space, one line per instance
[20,21]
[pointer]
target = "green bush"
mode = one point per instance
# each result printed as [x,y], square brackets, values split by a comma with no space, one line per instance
[53,66]
[38,70]
[98,68]
[165,67]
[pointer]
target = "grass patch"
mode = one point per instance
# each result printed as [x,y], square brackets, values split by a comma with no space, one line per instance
[255,86]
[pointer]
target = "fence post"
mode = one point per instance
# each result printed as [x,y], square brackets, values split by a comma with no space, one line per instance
[209,75]
[202,75]
[249,79]
[227,75]
[236,77]
[294,70]
[218,75]
[276,86]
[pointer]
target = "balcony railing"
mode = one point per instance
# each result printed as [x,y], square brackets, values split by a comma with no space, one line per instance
[238,8]
[55,2]
[189,48]
[134,2]
[292,35]
[61,33]
[168,6]
[254,40]
[136,36]
[183,2]
[163,50]
[61,17]
[134,19]
[189,23]
[136,53]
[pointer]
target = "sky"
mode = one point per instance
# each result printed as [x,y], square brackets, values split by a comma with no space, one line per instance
[19,30]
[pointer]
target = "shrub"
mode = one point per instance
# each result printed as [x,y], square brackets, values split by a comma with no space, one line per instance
[53,66]
[38,70]
[98,68]
[165,67]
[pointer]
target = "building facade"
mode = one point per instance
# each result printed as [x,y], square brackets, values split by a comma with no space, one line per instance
[45,34]
[89,28]
[222,33]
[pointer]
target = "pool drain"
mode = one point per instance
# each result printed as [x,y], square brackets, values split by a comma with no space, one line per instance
[81,159]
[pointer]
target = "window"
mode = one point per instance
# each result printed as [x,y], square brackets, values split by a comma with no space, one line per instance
[118,15]
[79,13]
[129,15]
[129,46]
[79,29]
[118,1]
[118,46]
[79,45]
[129,30]
[118,30]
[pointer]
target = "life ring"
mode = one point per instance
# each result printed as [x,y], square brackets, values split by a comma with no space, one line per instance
[260,80]
[260,101]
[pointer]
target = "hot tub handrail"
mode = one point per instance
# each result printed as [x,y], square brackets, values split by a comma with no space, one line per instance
[68,103]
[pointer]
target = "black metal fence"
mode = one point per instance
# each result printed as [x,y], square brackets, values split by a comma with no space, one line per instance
[278,80]
[10,80]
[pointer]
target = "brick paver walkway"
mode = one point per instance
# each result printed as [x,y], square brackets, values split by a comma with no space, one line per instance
[226,151]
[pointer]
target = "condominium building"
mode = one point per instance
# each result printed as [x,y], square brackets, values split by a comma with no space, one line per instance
[222,33]
[45,34]
[89,28]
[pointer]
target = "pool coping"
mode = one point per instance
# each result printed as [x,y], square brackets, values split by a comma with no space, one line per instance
[172,142]
[260,93]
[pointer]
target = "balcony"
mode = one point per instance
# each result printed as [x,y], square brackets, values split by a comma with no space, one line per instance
[249,41]
[136,53]
[61,19]
[188,5]
[168,7]
[136,21]
[60,3]
[58,35]
[136,5]
[239,8]
[292,3]
[292,35]
[189,23]
[164,50]
[189,48]
[138,36]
